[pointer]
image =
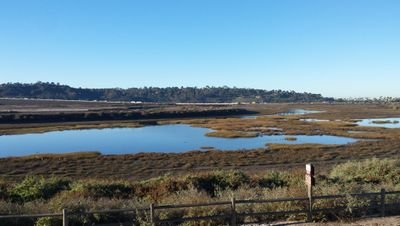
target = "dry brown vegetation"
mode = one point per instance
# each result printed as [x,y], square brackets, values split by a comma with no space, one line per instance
[38,194]
[10,129]
[37,116]
[127,172]
[380,142]
[339,124]
[148,165]
[230,134]
[290,138]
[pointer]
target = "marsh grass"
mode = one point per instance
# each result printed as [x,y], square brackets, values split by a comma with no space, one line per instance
[385,122]
[231,134]
[379,142]
[142,165]
[73,155]
[12,129]
[339,120]
[94,194]
[290,138]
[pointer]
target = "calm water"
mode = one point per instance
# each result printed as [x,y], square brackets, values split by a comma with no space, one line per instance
[314,120]
[165,138]
[290,112]
[298,112]
[250,116]
[369,122]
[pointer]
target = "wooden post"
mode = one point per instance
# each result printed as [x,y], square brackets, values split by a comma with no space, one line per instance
[310,204]
[383,202]
[233,212]
[65,217]
[152,221]
[310,182]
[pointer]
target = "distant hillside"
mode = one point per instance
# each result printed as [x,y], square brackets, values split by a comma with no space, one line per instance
[43,90]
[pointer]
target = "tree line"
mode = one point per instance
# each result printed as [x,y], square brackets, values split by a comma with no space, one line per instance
[46,90]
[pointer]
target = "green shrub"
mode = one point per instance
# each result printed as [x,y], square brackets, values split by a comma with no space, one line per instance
[33,188]
[160,187]
[48,221]
[103,189]
[368,171]
[274,179]
[219,180]
[3,191]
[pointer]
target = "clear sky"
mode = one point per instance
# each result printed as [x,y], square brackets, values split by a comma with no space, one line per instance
[340,48]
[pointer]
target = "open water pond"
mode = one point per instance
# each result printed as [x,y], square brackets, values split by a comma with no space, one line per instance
[380,122]
[164,138]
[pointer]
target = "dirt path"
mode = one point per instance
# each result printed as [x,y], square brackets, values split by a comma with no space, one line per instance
[368,221]
[395,221]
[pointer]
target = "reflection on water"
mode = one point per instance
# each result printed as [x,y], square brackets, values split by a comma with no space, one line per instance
[289,112]
[165,138]
[314,120]
[250,116]
[298,112]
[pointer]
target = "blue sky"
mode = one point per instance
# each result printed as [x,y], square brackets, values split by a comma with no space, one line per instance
[337,48]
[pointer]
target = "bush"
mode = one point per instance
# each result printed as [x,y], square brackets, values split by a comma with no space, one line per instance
[160,187]
[39,195]
[48,221]
[219,180]
[368,171]
[103,189]
[33,188]
[274,180]
[3,191]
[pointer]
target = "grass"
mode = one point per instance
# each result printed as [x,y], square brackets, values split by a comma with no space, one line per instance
[339,121]
[50,127]
[207,148]
[378,142]
[53,194]
[368,171]
[137,179]
[385,122]
[29,120]
[231,134]
[72,155]
[290,138]
[149,165]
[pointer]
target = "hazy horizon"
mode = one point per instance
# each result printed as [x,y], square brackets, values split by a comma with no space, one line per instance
[337,48]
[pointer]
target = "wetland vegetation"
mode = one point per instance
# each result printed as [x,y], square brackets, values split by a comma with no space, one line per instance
[199,113]
[34,194]
[337,120]
[264,171]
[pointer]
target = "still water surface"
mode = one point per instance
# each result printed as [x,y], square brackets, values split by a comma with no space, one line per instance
[165,138]
[370,122]
[296,111]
